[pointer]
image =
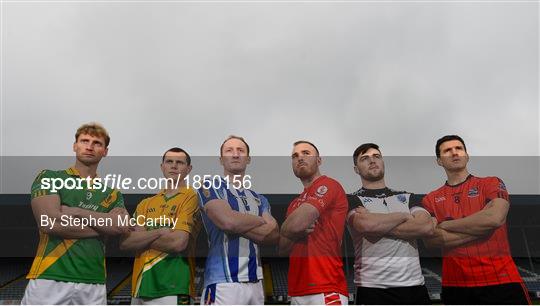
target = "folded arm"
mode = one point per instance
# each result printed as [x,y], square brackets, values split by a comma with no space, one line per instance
[114,215]
[300,223]
[266,234]
[173,241]
[443,239]
[481,223]
[229,220]
[420,225]
[48,206]
[139,239]
[376,224]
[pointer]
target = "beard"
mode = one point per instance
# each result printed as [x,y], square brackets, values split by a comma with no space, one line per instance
[304,172]
[374,177]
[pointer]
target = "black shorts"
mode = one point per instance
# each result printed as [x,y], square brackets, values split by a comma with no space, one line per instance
[399,295]
[509,294]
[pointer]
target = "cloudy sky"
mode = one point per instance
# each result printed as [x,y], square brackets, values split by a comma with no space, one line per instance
[161,74]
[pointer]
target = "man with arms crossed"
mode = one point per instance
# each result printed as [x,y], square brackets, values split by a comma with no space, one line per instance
[162,275]
[236,220]
[312,233]
[384,225]
[477,265]
[69,267]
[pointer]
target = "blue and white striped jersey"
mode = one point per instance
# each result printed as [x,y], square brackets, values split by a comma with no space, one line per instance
[231,258]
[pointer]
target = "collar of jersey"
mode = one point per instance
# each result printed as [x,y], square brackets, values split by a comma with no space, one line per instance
[313,183]
[458,184]
[74,172]
[374,193]
[162,193]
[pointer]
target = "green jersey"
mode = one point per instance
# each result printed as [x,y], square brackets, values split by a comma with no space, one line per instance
[72,260]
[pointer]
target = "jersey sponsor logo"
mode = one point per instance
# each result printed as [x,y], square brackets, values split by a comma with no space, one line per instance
[206,192]
[367,200]
[151,209]
[88,206]
[402,198]
[473,192]
[439,199]
[172,212]
[321,191]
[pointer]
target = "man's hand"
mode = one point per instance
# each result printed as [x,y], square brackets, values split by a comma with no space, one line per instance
[443,225]
[435,222]
[114,214]
[267,218]
[361,210]
[119,211]
[76,212]
[165,230]
[311,228]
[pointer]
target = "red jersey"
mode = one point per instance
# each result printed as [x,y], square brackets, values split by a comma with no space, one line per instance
[315,264]
[482,262]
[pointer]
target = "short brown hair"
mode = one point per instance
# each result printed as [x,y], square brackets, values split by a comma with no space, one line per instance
[233,137]
[306,142]
[93,129]
[363,148]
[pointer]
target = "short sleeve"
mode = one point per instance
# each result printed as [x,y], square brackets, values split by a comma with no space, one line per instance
[354,202]
[427,204]
[42,184]
[265,205]
[114,199]
[117,200]
[495,188]
[323,194]
[141,208]
[208,194]
[415,204]
[187,214]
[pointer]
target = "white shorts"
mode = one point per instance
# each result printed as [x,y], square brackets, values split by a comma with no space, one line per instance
[233,294]
[320,299]
[46,291]
[164,300]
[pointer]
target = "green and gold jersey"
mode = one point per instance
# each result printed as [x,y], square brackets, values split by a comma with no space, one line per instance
[72,260]
[156,273]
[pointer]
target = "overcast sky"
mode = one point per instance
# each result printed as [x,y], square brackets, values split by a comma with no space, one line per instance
[189,74]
